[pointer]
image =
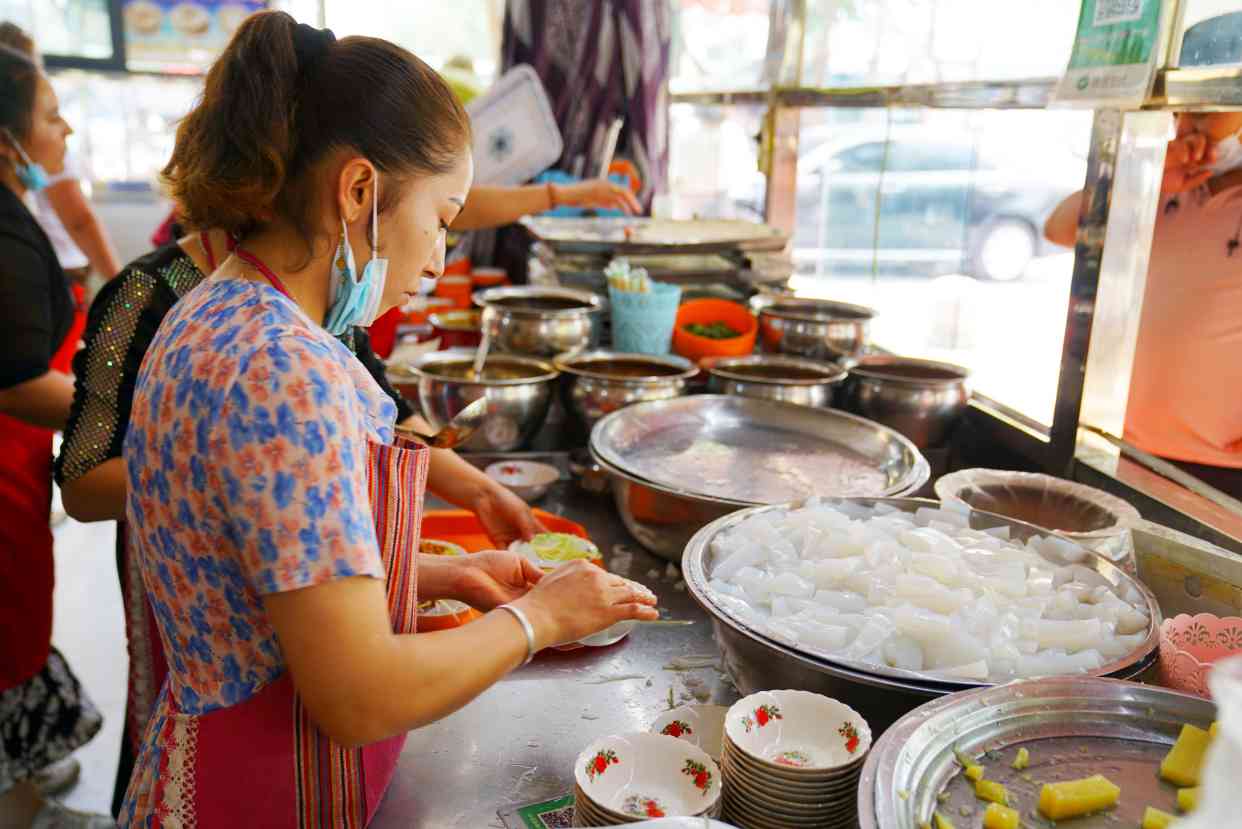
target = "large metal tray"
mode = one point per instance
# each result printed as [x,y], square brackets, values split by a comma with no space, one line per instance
[637,235]
[697,564]
[743,451]
[1072,726]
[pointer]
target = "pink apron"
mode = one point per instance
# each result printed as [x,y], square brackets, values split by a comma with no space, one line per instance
[262,762]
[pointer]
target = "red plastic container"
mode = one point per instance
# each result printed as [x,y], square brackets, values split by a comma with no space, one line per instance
[488,278]
[458,328]
[705,311]
[457,288]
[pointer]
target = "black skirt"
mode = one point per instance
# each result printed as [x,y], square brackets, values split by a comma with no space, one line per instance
[43,721]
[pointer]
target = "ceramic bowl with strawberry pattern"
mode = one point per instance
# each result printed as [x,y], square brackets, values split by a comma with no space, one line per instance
[797,732]
[643,776]
[702,725]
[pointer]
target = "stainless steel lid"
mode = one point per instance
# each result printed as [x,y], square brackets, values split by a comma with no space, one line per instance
[746,451]
[528,300]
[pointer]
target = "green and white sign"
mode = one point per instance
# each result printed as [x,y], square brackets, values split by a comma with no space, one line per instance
[1115,53]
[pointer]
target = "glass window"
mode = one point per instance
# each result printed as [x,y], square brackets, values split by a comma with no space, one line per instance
[68,28]
[718,44]
[943,235]
[1212,33]
[714,162]
[865,42]
[438,32]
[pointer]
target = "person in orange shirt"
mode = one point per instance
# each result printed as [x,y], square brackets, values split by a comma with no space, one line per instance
[1183,403]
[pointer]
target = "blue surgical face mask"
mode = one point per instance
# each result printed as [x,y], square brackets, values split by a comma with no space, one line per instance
[356,299]
[32,176]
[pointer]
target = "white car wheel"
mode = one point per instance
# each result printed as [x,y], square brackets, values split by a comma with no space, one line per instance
[1007,249]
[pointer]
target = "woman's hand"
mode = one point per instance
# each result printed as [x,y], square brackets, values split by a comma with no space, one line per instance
[1186,163]
[489,579]
[597,193]
[578,599]
[505,516]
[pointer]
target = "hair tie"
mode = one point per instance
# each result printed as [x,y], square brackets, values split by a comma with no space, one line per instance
[310,44]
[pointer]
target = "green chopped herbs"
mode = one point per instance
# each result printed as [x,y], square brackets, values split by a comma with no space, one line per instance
[713,330]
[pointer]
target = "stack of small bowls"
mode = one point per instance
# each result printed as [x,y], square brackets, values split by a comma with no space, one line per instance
[792,759]
[629,778]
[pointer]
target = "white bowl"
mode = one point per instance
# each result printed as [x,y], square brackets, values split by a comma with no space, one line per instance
[798,731]
[530,480]
[701,725]
[628,773]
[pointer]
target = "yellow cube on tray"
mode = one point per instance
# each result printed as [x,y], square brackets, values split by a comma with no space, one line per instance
[942,822]
[997,816]
[1181,765]
[1022,760]
[1188,799]
[991,790]
[1156,819]
[975,773]
[1071,798]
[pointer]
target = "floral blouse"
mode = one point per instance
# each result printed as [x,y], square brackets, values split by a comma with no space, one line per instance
[246,455]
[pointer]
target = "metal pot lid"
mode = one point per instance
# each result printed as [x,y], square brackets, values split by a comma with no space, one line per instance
[728,368]
[747,451]
[803,309]
[697,564]
[528,369]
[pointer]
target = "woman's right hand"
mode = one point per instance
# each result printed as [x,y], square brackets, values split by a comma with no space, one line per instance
[578,599]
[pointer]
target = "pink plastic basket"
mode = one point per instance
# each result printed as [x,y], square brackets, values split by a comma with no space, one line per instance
[1189,645]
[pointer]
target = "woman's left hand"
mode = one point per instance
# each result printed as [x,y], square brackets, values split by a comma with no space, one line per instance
[489,579]
[505,516]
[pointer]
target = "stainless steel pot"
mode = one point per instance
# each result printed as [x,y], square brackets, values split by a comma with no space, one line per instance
[816,328]
[758,662]
[596,383]
[774,377]
[922,399]
[540,322]
[518,391]
[677,465]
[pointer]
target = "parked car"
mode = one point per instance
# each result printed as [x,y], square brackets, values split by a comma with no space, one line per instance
[944,207]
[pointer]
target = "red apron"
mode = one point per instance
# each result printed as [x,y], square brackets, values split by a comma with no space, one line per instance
[262,762]
[26,568]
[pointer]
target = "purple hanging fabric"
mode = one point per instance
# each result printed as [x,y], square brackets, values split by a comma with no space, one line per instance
[599,61]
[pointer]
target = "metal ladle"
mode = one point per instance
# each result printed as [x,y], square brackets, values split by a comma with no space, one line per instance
[457,431]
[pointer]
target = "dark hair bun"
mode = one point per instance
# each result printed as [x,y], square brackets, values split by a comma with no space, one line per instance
[281,97]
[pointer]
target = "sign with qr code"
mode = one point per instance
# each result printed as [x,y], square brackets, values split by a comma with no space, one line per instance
[1116,48]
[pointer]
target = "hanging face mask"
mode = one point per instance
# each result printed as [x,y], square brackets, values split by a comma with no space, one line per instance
[32,176]
[356,299]
[1228,155]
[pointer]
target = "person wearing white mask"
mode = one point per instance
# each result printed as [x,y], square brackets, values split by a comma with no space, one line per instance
[1183,404]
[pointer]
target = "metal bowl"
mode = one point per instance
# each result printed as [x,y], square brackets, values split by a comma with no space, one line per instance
[757,661]
[816,328]
[518,391]
[922,399]
[540,322]
[679,464]
[773,377]
[597,383]
[1078,725]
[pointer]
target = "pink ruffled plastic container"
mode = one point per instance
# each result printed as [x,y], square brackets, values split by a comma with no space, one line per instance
[1189,645]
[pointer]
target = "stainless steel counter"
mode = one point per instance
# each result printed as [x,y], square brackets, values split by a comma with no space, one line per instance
[517,742]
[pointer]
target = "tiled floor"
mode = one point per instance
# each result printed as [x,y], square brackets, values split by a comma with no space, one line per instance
[89,630]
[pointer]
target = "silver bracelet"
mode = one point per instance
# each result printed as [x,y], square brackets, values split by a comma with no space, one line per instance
[526,629]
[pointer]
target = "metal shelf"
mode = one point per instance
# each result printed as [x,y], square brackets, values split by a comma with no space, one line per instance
[1175,89]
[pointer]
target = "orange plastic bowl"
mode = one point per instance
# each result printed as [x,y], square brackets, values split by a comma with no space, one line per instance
[489,277]
[705,311]
[456,288]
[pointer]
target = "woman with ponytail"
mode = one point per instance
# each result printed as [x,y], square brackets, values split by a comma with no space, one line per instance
[271,510]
